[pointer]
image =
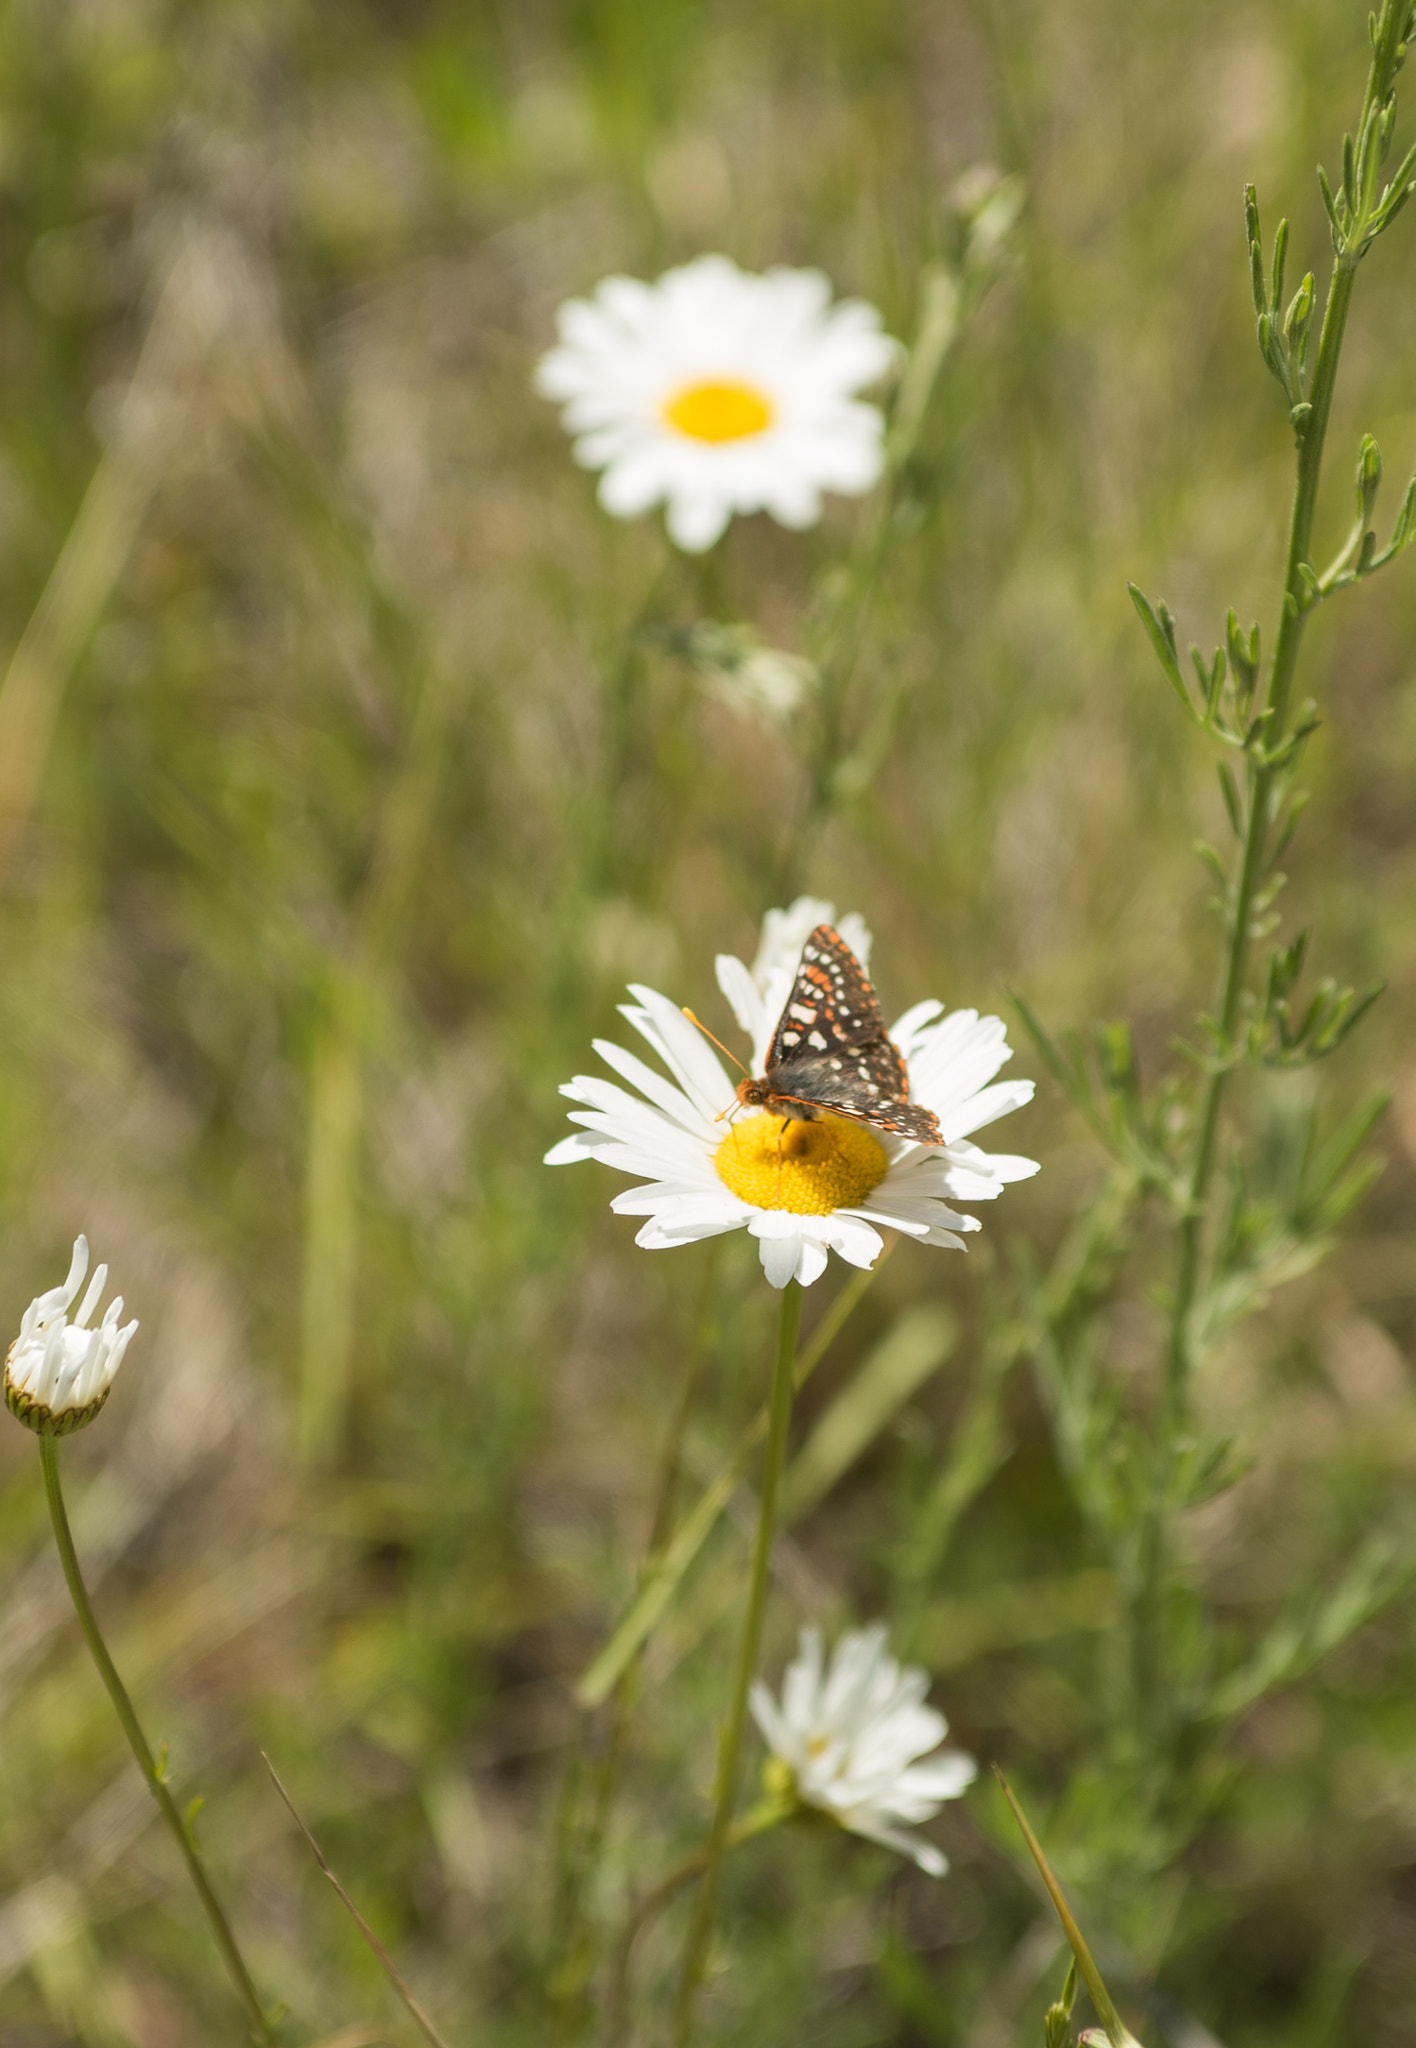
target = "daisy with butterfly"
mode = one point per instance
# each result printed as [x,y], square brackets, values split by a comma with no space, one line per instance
[850,1128]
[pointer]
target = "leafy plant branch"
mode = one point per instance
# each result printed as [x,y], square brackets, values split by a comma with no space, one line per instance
[1237,1233]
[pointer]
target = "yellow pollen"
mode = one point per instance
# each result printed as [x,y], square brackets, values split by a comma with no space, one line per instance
[809,1168]
[718,411]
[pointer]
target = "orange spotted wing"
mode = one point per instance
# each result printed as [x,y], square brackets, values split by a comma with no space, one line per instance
[830,1053]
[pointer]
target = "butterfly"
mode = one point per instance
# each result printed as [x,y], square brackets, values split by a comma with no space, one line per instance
[831,1055]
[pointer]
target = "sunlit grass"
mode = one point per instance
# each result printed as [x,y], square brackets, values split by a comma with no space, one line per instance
[348,800]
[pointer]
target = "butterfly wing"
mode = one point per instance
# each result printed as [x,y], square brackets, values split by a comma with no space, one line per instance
[832,1006]
[831,1051]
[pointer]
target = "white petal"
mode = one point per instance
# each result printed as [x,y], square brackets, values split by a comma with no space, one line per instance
[793,501]
[943,1777]
[684,1050]
[913,1216]
[580,1145]
[629,1121]
[634,482]
[802,1682]
[924,1853]
[909,1028]
[943,1240]
[967,1184]
[892,1214]
[669,1201]
[785,932]
[660,1092]
[91,1297]
[78,1266]
[775,1732]
[780,1239]
[697,519]
[986,1107]
[658,1236]
[811,1259]
[853,1239]
[1000,1166]
[744,998]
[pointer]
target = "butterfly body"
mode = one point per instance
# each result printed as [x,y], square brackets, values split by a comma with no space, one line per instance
[831,1055]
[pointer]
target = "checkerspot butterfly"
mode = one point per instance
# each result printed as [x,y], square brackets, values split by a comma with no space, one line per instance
[830,1054]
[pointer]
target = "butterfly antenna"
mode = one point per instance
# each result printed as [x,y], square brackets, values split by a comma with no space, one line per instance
[718,1042]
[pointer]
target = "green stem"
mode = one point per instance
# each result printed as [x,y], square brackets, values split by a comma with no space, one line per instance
[1149,1564]
[730,1746]
[593,1778]
[137,1742]
[844,631]
[665,1571]
[1117,2032]
[1263,781]
[1264,778]
[763,1816]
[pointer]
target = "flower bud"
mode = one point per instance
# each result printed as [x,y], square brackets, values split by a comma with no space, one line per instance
[58,1373]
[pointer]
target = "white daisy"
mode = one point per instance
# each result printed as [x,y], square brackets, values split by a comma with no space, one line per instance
[58,1373]
[855,1742]
[719,392]
[811,1187]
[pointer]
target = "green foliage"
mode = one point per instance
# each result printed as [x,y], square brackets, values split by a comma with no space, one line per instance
[366,760]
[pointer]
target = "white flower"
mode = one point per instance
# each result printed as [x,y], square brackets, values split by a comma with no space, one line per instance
[809,1187]
[58,1373]
[853,1738]
[719,392]
[746,676]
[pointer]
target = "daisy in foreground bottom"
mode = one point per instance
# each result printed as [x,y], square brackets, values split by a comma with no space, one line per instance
[854,1741]
[801,1188]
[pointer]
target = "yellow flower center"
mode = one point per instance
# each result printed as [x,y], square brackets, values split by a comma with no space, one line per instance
[719,411]
[809,1168]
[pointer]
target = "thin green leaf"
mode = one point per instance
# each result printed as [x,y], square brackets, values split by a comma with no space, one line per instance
[1160,631]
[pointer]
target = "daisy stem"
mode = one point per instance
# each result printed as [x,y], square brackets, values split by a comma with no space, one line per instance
[730,1743]
[138,1743]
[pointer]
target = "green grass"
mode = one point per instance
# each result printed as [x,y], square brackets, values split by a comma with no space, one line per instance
[361,803]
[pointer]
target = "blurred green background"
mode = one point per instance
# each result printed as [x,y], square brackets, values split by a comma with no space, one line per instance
[338,800]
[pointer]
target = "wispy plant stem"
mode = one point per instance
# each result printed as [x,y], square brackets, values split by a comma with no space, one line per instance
[381,1955]
[597,1755]
[665,1569]
[765,1815]
[730,1745]
[842,628]
[138,1743]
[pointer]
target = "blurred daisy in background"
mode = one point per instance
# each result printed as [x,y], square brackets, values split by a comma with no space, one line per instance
[714,391]
[854,1742]
[810,1187]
